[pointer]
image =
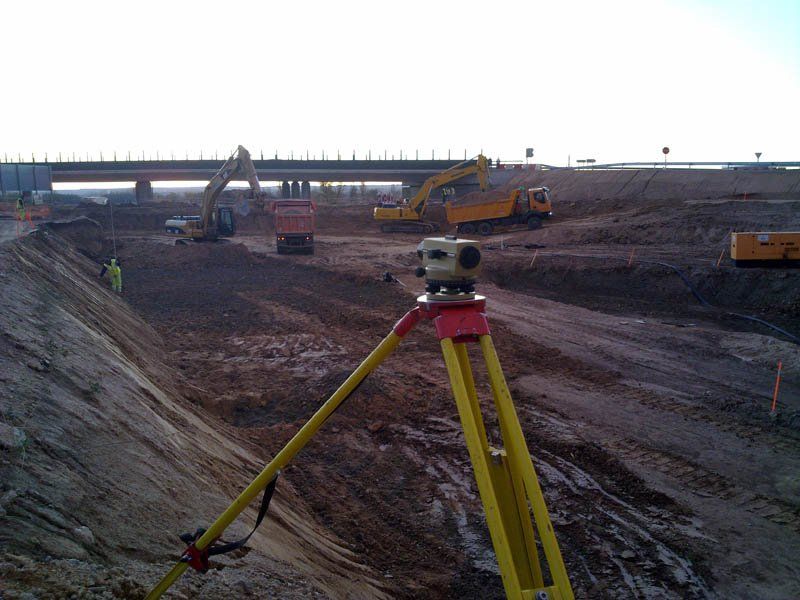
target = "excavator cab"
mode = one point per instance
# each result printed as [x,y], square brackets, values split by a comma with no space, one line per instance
[225,224]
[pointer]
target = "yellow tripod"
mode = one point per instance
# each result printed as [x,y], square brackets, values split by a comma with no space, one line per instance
[507,481]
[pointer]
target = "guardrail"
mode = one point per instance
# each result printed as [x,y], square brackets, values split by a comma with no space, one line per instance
[682,165]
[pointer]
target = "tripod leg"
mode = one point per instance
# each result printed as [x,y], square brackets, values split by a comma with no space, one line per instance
[469,384]
[494,498]
[521,466]
[300,439]
[517,523]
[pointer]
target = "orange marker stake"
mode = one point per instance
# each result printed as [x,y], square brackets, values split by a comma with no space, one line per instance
[630,260]
[534,258]
[777,385]
[721,254]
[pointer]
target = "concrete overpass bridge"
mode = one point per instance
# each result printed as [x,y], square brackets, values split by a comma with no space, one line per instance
[295,175]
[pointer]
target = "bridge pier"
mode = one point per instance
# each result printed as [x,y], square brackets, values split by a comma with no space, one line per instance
[305,190]
[285,190]
[144,191]
[295,190]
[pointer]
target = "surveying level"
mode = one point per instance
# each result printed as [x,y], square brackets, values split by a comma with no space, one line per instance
[450,267]
[507,482]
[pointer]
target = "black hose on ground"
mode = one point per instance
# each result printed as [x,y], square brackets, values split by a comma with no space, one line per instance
[685,280]
[705,302]
[793,338]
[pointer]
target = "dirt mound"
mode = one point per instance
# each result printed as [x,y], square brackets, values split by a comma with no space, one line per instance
[255,222]
[481,197]
[655,184]
[608,283]
[128,218]
[336,219]
[646,223]
[85,234]
[152,253]
[104,461]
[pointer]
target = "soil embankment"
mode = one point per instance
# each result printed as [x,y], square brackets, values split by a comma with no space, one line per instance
[658,184]
[105,461]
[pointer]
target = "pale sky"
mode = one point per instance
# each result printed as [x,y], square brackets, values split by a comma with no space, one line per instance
[611,80]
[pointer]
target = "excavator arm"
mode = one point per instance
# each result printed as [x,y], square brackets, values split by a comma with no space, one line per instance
[480,168]
[205,226]
[238,163]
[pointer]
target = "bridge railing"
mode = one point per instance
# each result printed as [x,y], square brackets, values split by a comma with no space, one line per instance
[144,156]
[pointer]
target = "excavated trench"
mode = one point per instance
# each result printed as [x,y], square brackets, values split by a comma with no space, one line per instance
[263,341]
[219,354]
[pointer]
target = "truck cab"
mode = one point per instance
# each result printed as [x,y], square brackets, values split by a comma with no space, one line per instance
[537,200]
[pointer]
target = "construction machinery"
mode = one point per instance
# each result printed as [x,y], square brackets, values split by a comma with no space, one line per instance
[521,206]
[766,249]
[214,221]
[409,217]
[294,225]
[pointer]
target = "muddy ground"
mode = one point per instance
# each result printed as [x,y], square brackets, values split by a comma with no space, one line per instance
[646,413]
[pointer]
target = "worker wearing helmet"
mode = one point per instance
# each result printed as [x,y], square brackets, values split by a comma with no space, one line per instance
[115,271]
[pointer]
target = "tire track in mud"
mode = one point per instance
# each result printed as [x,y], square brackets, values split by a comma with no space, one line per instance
[626,530]
[692,476]
[613,548]
[628,536]
[729,420]
[706,483]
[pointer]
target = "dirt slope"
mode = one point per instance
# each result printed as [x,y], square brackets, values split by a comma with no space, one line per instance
[659,184]
[103,461]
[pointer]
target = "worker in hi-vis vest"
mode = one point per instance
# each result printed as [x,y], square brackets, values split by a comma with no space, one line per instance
[114,270]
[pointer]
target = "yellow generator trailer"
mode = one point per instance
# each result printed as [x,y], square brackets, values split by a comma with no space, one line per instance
[766,249]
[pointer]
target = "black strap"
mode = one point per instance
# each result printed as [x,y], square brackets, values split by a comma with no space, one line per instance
[262,512]
[215,549]
[353,391]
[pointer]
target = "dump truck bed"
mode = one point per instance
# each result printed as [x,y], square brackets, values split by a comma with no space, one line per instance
[481,206]
[294,216]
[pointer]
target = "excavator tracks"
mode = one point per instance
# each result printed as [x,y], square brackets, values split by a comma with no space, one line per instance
[409,227]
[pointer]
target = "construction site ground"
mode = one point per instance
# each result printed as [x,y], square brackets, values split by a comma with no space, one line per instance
[647,414]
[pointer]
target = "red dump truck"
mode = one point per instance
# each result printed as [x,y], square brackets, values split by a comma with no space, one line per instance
[294,225]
